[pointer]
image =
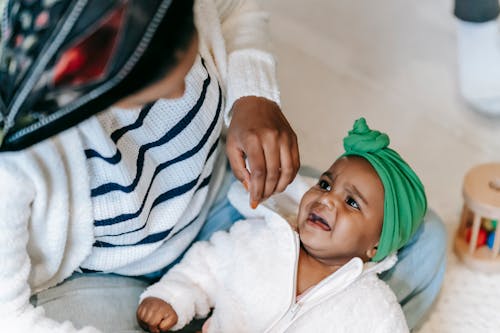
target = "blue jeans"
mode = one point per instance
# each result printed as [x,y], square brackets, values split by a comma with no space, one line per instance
[109,302]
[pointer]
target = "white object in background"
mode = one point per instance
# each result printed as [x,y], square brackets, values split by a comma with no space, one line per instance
[478,47]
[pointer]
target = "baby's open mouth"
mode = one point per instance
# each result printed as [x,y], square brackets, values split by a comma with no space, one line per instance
[318,221]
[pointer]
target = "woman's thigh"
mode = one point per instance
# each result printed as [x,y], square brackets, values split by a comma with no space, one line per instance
[107,302]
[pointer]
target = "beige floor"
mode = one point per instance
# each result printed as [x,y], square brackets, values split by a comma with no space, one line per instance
[393,62]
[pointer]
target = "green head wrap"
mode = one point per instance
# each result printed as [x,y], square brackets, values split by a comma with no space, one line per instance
[404,198]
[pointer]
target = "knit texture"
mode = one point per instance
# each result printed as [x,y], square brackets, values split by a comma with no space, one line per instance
[150,172]
[46,229]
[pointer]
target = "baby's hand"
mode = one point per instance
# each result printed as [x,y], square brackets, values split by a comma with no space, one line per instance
[156,315]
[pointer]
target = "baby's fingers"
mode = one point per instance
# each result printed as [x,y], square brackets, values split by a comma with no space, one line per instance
[149,320]
[167,323]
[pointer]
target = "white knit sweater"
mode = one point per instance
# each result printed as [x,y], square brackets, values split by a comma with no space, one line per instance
[248,275]
[46,213]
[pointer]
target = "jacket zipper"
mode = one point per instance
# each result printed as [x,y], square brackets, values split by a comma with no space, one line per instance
[294,310]
[294,307]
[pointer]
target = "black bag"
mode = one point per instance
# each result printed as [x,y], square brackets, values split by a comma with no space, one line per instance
[62,61]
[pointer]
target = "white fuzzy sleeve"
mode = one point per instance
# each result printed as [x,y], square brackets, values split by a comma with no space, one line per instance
[379,310]
[191,286]
[17,205]
[251,67]
[16,313]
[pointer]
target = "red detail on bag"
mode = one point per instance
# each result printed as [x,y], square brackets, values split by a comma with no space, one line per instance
[88,59]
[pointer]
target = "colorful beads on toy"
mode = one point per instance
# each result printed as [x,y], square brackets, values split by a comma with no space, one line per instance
[475,241]
[488,225]
[491,240]
[481,236]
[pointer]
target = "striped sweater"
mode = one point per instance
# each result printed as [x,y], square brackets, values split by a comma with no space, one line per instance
[150,201]
[126,190]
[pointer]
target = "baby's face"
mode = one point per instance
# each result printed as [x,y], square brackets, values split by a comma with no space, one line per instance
[341,216]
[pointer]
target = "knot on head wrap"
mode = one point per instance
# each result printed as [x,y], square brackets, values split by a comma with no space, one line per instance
[361,138]
[405,202]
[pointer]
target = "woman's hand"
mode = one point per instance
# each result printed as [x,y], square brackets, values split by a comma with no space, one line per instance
[155,315]
[260,133]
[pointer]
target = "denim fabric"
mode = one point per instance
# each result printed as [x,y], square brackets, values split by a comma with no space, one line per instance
[418,275]
[222,215]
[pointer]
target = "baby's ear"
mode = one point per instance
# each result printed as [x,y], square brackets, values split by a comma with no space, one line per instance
[370,253]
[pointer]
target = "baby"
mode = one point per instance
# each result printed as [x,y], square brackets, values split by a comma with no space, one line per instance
[265,275]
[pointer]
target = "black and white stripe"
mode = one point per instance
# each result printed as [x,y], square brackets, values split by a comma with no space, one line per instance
[150,171]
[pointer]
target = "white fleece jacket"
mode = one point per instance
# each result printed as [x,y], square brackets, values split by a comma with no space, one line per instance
[248,275]
[46,222]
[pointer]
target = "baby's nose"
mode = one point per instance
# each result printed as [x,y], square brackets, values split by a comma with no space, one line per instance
[327,200]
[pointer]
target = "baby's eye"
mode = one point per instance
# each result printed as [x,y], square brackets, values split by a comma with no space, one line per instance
[324,185]
[351,202]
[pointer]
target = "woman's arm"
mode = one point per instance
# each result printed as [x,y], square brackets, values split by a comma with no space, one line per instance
[251,65]
[18,195]
[258,130]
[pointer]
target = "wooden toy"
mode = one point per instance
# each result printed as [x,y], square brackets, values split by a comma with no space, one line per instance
[480,213]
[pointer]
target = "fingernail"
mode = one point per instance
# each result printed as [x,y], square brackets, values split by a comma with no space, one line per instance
[245,185]
[254,204]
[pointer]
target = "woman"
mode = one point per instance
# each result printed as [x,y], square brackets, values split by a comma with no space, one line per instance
[127,190]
